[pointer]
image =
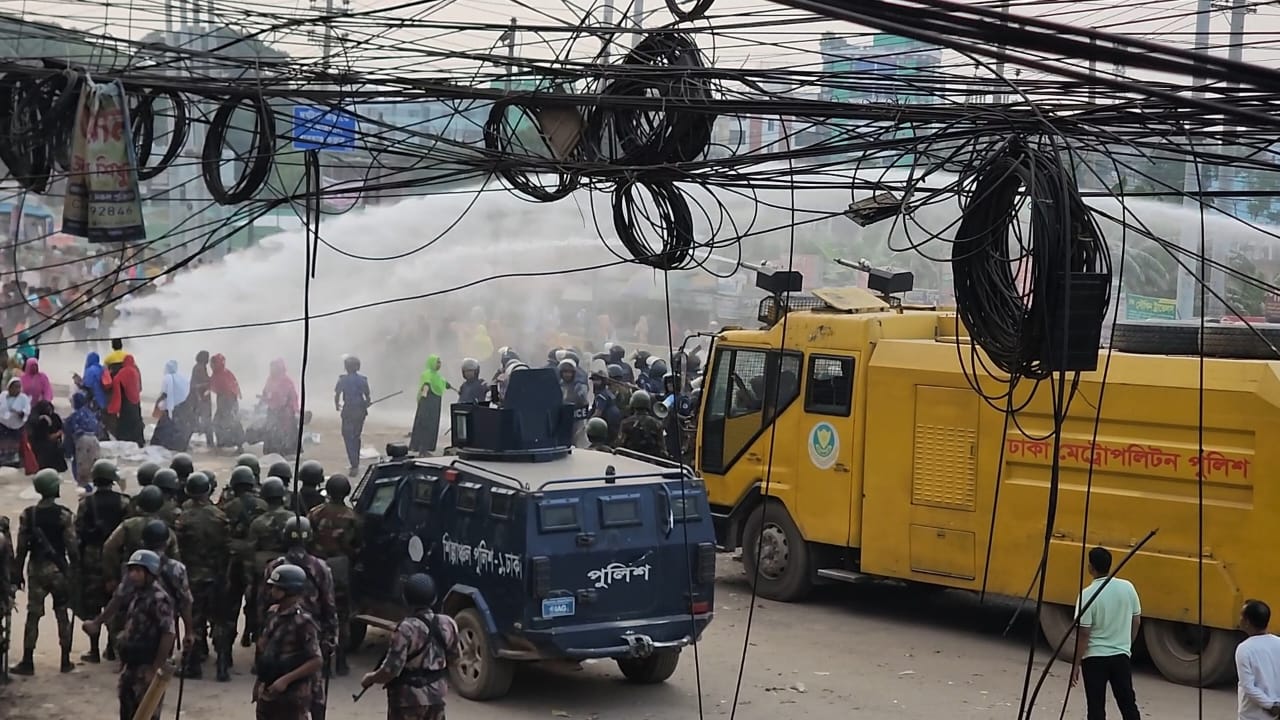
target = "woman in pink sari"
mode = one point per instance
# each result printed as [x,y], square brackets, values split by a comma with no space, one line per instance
[280,398]
[35,384]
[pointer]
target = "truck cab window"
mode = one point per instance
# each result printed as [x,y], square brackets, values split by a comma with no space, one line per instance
[749,388]
[830,389]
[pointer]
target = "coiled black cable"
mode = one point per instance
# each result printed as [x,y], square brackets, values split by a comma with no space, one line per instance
[1010,324]
[142,117]
[29,127]
[499,139]
[260,157]
[658,67]
[697,12]
[671,220]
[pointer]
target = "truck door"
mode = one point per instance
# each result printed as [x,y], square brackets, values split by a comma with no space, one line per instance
[831,452]
[377,574]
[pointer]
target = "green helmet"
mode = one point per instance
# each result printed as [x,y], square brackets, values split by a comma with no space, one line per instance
[166,479]
[146,473]
[297,530]
[104,473]
[242,476]
[289,578]
[150,499]
[46,483]
[272,489]
[311,473]
[198,484]
[183,465]
[282,470]
[597,430]
[250,461]
[641,401]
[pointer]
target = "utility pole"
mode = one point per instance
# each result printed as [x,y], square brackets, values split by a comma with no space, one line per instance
[1189,235]
[509,37]
[637,18]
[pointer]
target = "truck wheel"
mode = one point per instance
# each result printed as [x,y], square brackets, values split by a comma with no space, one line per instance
[773,538]
[1187,655]
[1055,622]
[478,673]
[356,631]
[650,670]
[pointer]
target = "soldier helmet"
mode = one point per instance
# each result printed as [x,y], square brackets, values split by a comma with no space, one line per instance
[250,461]
[338,487]
[311,473]
[470,364]
[419,590]
[147,560]
[351,363]
[166,479]
[272,489]
[289,578]
[198,484]
[281,470]
[297,530]
[104,473]
[243,477]
[146,473]
[155,534]
[597,430]
[150,499]
[46,483]
[617,372]
[640,400]
[183,465]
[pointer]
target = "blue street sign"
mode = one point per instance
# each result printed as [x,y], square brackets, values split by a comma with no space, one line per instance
[318,128]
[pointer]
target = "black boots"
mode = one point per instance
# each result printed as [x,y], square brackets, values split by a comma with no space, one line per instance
[340,664]
[93,656]
[224,667]
[246,638]
[67,666]
[110,655]
[27,666]
[191,669]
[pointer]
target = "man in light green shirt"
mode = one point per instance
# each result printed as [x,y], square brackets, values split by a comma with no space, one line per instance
[1109,614]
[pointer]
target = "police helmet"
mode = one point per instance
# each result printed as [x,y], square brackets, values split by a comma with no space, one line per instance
[289,578]
[155,535]
[272,489]
[419,590]
[311,473]
[567,365]
[470,364]
[166,479]
[351,363]
[616,372]
[641,401]
[146,560]
[617,353]
[198,484]
[46,483]
[641,359]
[146,473]
[281,470]
[560,354]
[599,369]
[338,487]
[104,473]
[250,461]
[297,530]
[657,368]
[182,465]
[242,477]
[506,355]
[149,499]
[597,430]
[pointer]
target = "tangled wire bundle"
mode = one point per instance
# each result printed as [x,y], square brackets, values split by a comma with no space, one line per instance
[671,219]
[501,139]
[1013,324]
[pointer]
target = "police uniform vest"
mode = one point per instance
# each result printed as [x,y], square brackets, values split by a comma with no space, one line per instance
[104,514]
[48,519]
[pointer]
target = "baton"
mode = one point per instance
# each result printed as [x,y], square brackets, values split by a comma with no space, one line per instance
[355,697]
[385,397]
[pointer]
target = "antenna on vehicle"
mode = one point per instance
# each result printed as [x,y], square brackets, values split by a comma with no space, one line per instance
[884,283]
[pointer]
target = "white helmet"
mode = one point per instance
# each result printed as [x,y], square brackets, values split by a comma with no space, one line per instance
[567,364]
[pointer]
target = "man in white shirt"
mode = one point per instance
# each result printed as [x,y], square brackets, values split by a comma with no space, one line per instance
[1109,614]
[1258,664]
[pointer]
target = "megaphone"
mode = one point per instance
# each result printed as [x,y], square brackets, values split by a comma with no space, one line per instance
[664,408]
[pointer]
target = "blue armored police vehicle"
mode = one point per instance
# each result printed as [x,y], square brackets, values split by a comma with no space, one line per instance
[541,551]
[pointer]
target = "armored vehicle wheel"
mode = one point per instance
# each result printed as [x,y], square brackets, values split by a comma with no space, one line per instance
[771,536]
[477,673]
[650,670]
[1056,621]
[355,635]
[1182,652]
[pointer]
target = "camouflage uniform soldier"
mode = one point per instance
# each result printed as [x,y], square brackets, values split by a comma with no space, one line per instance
[641,431]
[46,532]
[284,472]
[267,531]
[310,476]
[127,537]
[289,656]
[167,480]
[414,670]
[98,515]
[145,476]
[317,599]
[337,539]
[598,435]
[242,582]
[6,594]
[204,536]
[148,635]
[250,461]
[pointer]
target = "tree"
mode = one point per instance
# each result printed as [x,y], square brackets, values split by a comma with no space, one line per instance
[1243,297]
